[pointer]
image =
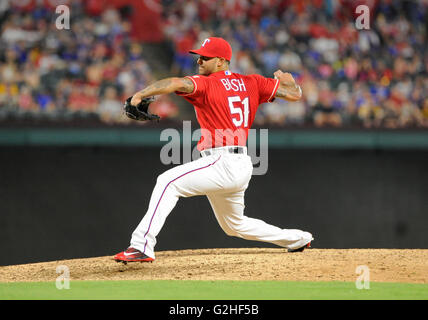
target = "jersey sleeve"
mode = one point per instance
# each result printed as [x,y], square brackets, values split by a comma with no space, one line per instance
[267,88]
[200,85]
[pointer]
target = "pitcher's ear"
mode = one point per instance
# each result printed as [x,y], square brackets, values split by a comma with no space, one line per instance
[221,61]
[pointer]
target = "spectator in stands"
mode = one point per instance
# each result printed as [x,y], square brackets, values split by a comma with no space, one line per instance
[25,100]
[45,101]
[110,108]
[424,113]
[370,113]
[183,62]
[84,97]
[324,112]
[9,94]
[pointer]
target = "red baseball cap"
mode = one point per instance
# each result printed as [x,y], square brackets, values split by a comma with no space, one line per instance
[214,47]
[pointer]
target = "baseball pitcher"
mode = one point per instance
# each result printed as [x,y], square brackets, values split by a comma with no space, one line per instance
[225,104]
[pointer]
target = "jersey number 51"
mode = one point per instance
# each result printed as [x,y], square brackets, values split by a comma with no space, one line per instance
[241,109]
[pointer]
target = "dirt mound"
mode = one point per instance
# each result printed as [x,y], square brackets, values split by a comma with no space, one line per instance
[385,265]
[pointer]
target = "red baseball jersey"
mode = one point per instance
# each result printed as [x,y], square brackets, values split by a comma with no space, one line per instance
[226,104]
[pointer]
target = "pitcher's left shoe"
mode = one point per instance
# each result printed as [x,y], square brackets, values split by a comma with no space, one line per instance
[308,245]
[132,255]
[300,249]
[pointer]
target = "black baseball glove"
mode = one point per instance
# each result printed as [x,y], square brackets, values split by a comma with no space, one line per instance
[141,111]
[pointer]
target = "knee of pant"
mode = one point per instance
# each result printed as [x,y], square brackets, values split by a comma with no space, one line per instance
[230,232]
[163,179]
[227,228]
[233,229]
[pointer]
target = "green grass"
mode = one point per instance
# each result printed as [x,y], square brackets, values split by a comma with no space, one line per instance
[211,290]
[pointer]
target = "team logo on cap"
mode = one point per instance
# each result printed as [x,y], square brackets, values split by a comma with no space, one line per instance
[205,42]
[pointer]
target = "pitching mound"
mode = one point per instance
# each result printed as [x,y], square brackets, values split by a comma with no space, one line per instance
[409,265]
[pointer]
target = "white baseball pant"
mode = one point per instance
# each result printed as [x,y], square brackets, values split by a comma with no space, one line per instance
[223,177]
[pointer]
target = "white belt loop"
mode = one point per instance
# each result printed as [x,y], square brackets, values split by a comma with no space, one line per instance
[226,149]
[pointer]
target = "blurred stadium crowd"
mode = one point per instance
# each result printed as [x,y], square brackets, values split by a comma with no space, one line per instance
[375,78]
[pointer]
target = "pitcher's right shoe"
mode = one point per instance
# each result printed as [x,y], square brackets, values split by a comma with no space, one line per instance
[132,255]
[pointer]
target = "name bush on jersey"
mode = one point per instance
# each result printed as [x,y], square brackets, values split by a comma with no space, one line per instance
[234,84]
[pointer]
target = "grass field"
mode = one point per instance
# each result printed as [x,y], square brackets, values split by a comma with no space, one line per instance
[211,290]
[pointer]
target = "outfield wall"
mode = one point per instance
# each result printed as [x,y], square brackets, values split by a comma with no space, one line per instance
[278,138]
[60,202]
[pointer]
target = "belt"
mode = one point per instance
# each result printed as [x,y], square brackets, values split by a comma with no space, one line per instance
[235,150]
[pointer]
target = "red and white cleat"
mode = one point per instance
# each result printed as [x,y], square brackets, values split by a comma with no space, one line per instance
[132,255]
